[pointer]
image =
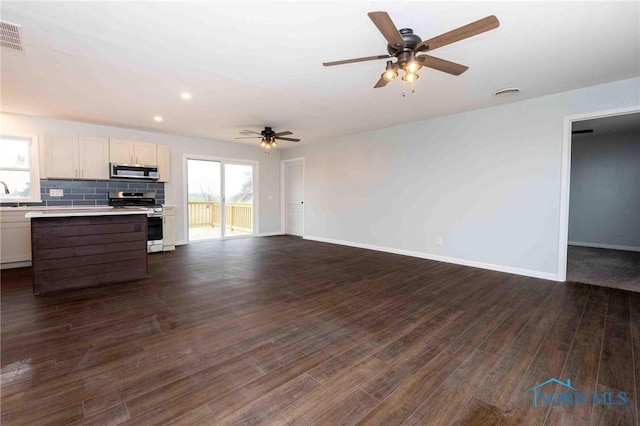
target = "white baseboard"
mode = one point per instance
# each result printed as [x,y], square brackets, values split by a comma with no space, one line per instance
[12,265]
[604,246]
[464,262]
[263,234]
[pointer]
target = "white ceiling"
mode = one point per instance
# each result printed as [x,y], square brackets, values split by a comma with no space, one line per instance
[248,65]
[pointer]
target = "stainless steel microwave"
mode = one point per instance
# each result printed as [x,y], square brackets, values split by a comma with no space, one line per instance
[126,171]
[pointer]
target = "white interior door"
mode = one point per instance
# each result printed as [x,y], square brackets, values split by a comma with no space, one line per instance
[294,197]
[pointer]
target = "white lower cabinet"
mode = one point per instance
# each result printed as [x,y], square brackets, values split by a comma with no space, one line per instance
[15,239]
[169,227]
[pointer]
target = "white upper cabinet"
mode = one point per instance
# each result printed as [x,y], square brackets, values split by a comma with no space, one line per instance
[145,153]
[164,168]
[70,156]
[76,157]
[61,156]
[93,157]
[125,151]
[121,151]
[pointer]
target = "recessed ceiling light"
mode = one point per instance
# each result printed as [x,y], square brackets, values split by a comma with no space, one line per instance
[185,95]
[508,91]
[157,118]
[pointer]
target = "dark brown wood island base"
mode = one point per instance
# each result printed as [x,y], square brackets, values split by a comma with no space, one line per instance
[87,250]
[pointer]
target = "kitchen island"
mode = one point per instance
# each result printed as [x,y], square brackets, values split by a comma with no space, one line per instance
[77,248]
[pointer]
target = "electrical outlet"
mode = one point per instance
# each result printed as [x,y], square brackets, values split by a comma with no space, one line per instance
[56,192]
[439,240]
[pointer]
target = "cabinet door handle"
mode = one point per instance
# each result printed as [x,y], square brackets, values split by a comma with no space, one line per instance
[75,173]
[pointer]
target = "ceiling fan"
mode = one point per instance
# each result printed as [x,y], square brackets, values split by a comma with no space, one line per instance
[268,137]
[404,46]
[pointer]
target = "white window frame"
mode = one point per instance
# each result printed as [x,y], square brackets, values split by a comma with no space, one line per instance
[34,169]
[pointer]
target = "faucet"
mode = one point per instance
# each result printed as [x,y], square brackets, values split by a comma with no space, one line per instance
[6,188]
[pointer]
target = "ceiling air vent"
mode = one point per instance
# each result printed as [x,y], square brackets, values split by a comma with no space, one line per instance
[509,91]
[10,36]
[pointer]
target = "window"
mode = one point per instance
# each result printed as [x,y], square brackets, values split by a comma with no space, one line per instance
[19,169]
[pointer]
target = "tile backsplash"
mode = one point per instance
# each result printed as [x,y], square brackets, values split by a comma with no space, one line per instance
[89,192]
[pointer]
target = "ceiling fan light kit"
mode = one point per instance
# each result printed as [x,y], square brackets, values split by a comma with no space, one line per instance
[268,137]
[404,45]
[410,77]
[412,66]
[267,144]
[390,72]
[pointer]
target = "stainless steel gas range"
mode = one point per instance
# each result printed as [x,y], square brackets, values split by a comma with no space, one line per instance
[147,200]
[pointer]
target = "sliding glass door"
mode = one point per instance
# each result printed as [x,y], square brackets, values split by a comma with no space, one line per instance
[238,189]
[204,192]
[219,199]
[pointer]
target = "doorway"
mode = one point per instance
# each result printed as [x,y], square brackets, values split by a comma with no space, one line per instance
[292,183]
[220,199]
[601,189]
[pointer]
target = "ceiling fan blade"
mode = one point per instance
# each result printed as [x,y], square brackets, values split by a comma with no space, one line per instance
[387,28]
[283,133]
[579,132]
[287,139]
[466,31]
[381,83]
[244,132]
[442,65]
[250,137]
[349,61]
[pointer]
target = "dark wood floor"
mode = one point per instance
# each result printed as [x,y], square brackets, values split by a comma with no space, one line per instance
[285,331]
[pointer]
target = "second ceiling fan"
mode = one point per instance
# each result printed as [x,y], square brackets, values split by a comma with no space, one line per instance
[268,136]
[405,46]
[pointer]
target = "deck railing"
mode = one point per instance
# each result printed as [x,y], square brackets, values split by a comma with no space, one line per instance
[238,216]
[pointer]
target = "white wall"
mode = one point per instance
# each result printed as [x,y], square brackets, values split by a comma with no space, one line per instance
[268,173]
[486,181]
[605,190]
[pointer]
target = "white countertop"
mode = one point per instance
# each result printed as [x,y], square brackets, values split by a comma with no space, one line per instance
[34,208]
[92,211]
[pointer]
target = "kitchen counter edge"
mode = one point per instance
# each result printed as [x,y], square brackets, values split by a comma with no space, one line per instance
[101,211]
